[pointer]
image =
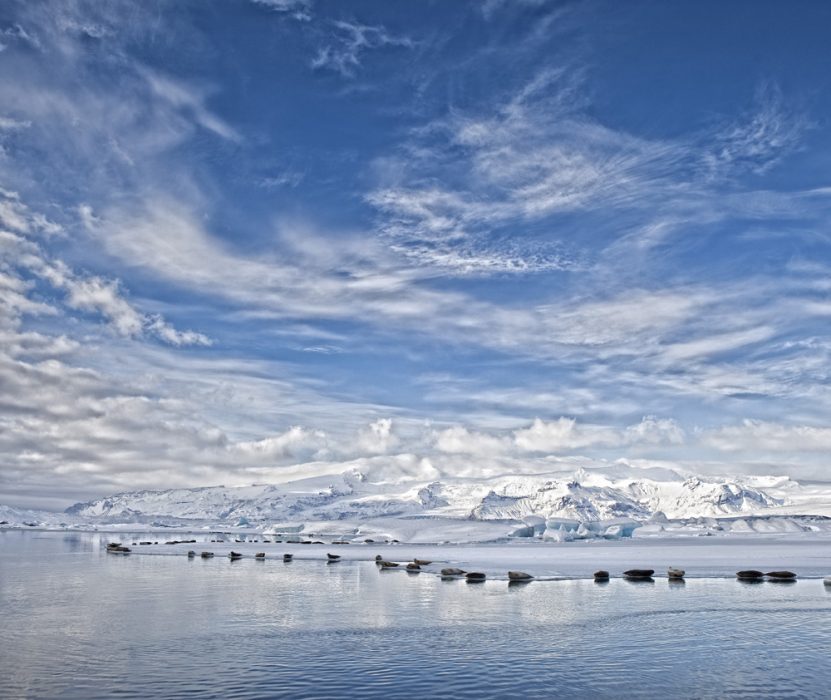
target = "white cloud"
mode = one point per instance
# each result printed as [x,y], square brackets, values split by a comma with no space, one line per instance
[620,319]
[325,278]
[11,215]
[473,192]
[763,436]
[478,260]
[97,295]
[169,240]
[718,343]
[540,155]
[14,300]
[351,40]
[88,293]
[16,215]
[102,296]
[760,140]
[298,9]
[567,434]
[287,178]
[187,98]
[535,155]
[378,437]
[9,124]
[654,431]
[460,440]
[154,324]
[558,437]
[296,443]
[16,33]
[561,434]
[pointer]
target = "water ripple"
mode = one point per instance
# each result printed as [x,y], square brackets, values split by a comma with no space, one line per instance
[90,626]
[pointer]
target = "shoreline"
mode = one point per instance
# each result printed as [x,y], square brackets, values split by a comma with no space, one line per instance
[808,556]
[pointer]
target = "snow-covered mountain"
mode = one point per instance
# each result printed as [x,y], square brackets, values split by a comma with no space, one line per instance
[587,495]
[593,501]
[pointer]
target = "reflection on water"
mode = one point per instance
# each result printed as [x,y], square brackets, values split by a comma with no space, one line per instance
[76,542]
[79,623]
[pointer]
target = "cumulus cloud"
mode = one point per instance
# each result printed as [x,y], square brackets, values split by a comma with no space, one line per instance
[567,434]
[378,437]
[460,440]
[559,436]
[71,431]
[654,431]
[297,443]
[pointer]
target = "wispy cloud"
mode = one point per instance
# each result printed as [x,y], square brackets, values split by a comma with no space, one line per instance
[288,178]
[190,101]
[541,156]
[552,270]
[756,436]
[491,7]
[297,9]
[169,240]
[16,215]
[605,337]
[535,156]
[759,140]
[9,124]
[350,41]
[88,293]
[15,33]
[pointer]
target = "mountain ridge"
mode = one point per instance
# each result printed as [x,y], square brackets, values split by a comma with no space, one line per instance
[585,495]
[609,501]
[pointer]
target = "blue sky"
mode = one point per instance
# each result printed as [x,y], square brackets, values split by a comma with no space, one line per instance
[248,241]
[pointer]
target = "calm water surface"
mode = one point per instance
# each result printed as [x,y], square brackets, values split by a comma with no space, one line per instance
[78,623]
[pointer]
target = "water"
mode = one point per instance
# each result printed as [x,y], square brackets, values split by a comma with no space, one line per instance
[78,623]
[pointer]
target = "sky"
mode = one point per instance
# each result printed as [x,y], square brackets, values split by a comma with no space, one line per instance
[250,241]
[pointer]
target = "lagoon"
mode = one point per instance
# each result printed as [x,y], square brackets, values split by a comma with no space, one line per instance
[78,623]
